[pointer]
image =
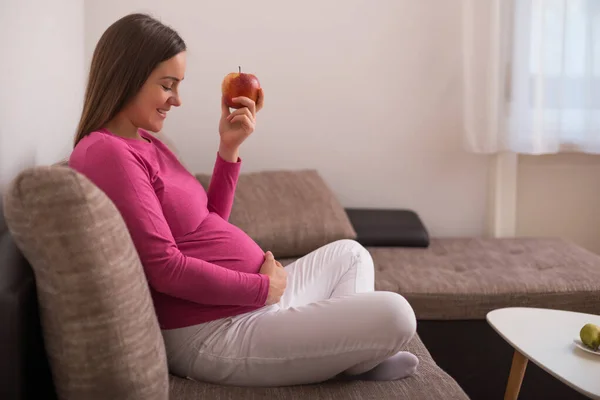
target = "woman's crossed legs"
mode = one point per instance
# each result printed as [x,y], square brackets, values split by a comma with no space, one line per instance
[330,321]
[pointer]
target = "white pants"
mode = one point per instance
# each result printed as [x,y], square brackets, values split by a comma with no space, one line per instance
[329,320]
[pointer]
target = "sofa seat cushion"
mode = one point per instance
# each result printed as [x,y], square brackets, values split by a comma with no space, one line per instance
[430,382]
[467,278]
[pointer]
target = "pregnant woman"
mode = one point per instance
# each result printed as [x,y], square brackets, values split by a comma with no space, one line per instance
[228,310]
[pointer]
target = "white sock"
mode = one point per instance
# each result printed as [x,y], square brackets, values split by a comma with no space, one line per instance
[398,366]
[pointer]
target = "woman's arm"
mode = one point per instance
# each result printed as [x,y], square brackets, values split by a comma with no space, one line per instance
[119,172]
[234,128]
[221,190]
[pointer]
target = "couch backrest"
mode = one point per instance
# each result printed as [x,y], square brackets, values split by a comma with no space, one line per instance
[99,326]
[289,212]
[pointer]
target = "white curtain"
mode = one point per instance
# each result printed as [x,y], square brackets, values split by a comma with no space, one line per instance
[532,75]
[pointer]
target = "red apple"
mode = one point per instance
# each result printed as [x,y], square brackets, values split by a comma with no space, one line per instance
[238,84]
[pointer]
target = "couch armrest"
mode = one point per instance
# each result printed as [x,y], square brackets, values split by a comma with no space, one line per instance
[388,227]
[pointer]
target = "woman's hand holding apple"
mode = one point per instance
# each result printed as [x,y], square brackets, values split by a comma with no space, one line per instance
[236,126]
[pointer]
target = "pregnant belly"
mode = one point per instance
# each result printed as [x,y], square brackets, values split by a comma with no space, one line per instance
[219,242]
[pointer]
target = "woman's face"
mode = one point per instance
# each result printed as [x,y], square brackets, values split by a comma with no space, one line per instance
[159,93]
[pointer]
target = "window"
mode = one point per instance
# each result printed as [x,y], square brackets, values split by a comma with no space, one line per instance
[555,85]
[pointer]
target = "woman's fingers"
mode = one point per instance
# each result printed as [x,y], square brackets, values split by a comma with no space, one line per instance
[240,111]
[246,102]
[244,120]
[261,100]
[224,107]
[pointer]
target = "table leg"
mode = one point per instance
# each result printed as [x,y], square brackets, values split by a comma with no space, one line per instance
[517,371]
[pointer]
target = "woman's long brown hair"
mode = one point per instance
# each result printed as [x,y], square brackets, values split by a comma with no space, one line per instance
[124,57]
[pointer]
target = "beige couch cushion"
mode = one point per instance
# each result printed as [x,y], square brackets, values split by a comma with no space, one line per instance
[465,278]
[430,382]
[100,330]
[290,213]
[458,278]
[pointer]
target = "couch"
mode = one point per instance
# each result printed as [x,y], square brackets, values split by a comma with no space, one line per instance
[77,320]
[450,282]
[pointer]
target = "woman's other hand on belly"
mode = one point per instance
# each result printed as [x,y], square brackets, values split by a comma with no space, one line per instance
[277,278]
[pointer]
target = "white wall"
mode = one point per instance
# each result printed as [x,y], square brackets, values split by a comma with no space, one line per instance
[41,82]
[559,195]
[366,92]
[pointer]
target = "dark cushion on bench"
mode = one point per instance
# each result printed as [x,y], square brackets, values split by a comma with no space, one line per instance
[388,227]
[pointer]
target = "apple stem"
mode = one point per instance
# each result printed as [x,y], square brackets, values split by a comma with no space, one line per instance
[240,68]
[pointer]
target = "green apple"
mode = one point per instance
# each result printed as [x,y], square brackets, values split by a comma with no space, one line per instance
[590,336]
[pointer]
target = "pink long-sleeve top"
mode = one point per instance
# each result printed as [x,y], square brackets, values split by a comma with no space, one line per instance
[199,266]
